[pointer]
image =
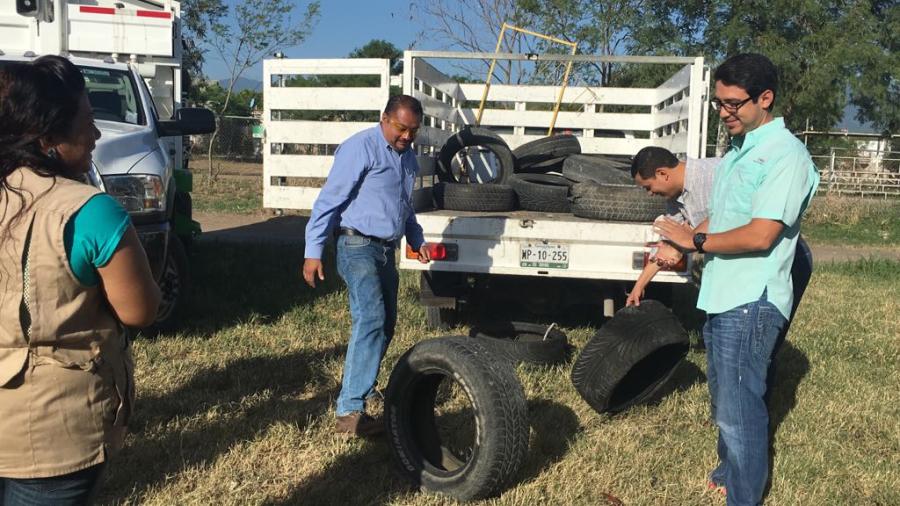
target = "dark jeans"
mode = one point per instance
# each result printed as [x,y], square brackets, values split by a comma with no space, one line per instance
[739,348]
[741,377]
[72,489]
[370,272]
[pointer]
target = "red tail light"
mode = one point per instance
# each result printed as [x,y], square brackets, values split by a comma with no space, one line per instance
[436,251]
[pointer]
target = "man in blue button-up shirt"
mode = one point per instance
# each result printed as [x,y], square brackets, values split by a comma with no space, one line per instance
[761,189]
[367,201]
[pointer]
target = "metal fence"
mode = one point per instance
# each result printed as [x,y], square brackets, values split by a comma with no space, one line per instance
[863,173]
[237,142]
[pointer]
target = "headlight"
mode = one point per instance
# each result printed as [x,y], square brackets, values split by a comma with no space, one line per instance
[139,193]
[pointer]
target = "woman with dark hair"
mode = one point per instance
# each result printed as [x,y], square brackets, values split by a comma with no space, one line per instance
[72,276]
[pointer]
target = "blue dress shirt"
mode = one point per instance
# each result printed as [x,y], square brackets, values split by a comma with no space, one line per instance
[369,189]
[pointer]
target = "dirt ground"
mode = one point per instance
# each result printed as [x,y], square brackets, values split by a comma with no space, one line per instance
[289,229]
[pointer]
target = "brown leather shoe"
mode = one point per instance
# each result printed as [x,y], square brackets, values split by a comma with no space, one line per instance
[358,424]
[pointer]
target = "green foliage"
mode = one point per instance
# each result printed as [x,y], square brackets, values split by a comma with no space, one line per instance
[822,50]
[212,95]
[378,48]
[258,28]
[197,19]
[829,53]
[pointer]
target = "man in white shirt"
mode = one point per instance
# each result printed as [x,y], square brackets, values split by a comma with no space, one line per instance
[687,185]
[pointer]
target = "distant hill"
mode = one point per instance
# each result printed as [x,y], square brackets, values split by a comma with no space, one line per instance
[242,84]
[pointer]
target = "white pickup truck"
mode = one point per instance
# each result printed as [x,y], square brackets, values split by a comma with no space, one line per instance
[494,252]
[130,54]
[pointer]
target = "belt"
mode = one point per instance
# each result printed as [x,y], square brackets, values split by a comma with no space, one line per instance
[356,233]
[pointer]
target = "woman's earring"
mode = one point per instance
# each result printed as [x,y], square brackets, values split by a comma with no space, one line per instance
[52,154]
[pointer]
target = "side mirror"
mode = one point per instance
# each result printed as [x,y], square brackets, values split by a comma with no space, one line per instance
[188,121]
[40,9]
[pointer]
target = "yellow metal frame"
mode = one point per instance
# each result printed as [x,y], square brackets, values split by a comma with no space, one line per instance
[490,74]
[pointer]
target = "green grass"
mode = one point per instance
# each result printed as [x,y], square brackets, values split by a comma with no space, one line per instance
[238,407]
[853,221]
[228,194]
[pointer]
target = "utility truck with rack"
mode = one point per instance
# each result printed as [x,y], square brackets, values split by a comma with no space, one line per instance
[550,260]
[130,54]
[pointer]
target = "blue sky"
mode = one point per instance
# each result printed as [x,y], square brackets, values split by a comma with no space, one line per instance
[345,25]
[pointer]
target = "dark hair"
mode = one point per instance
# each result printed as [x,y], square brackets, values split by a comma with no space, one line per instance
[38,100]
[647,160]
[753,72]
[404,102]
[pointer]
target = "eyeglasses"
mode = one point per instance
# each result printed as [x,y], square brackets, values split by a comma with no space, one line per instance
[731,107]
[403,129]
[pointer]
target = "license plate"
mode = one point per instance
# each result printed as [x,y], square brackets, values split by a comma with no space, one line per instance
[547,256]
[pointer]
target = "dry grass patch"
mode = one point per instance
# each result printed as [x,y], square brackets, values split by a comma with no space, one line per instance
[237,408]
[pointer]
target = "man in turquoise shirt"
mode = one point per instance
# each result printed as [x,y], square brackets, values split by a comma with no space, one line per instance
[761,190]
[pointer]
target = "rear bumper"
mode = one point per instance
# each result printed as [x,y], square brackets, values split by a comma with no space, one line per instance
[155,240]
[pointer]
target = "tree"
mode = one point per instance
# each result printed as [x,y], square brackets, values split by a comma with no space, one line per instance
[599,28]
[378,48]
[827,52]
[474,26]
[258,28]
[197,18]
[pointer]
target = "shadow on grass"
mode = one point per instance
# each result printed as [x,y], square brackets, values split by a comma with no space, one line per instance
[239,401]
[233,282]
[685,376]
[364,476]
[370,476]
[554,428]
[278,230]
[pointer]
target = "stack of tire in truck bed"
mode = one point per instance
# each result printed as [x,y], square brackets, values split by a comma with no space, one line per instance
[546,175]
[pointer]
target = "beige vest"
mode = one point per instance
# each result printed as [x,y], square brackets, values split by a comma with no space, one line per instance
[66,382]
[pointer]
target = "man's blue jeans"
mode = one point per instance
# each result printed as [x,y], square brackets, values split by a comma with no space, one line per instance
[739,348]
[370,272]
[73,489]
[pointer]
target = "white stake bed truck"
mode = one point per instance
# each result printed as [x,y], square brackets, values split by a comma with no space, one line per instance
[497,253]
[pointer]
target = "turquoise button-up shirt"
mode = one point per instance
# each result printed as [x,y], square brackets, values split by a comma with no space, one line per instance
[769,174]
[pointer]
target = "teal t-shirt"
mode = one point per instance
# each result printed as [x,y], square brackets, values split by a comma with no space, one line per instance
[92,235]
[768,174]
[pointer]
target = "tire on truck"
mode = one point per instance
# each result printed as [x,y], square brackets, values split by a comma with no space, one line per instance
[471,137]
[538,155]
[615,202]
[474,197]
[415,418]
[542,192]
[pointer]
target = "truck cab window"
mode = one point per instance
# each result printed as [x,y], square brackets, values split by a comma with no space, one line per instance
[113,95]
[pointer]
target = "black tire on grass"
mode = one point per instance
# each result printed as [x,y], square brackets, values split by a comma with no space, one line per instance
[521,342]
[630,358]
[542,192]
[474,197]
[497,403]
[615,202]
[545,149]
[470,137]
[580,168]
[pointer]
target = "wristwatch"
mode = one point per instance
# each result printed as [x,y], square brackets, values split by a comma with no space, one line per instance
[699,239]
